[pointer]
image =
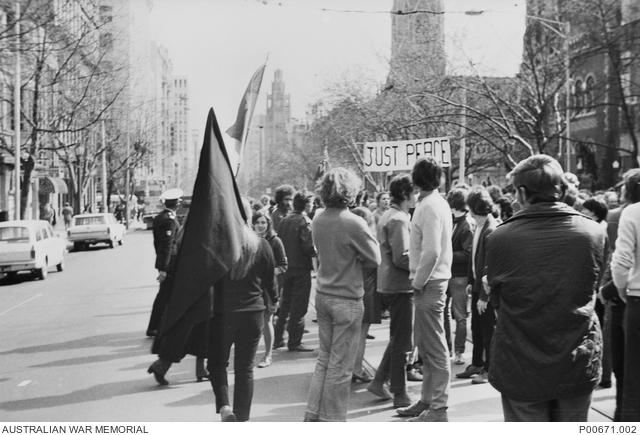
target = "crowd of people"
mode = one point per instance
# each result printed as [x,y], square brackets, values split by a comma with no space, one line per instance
[549,273]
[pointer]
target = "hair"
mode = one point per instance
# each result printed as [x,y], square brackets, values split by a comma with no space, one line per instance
[571,196]
[300,201]
[338,188]
[506,209]
[457,198]
[400,188]
[364,213]
[283,191]
[479,201]
[598,207]
[260,214]
[495,192]
[263,198]
[171,203]
[611,197]
[631,180]
[541,176]
[572,179]
[379,195]
[249,248]
[426,174]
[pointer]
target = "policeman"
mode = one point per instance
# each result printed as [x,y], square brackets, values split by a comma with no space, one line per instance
[165,228]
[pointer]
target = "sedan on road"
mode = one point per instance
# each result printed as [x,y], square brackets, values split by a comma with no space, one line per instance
[31,246]
[89,229]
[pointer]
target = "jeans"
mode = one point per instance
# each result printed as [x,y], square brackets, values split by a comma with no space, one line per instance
[565,410]
[293,307]
[431,342]
[339,321]
[394,360]
[242,329]
[631,394]
[616,336]
[482,327]
[459,301]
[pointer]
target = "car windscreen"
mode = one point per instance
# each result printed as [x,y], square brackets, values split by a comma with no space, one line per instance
[90,220]
[14,234]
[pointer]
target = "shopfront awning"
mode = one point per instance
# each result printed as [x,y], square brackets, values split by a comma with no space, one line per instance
[50,185]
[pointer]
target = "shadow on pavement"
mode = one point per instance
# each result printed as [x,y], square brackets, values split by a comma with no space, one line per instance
[94,393]
[118,354]
[134,313]
[120,339]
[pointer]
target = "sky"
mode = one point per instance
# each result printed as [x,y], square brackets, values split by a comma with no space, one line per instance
[318,44]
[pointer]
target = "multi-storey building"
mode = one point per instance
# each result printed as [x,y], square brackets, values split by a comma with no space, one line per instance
[278,116]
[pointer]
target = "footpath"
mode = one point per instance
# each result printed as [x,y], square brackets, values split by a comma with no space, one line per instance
[281,389]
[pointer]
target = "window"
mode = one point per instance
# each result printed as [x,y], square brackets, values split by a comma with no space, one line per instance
[589,94]
[43,234]
[89,220]
[14,234]
[578,94]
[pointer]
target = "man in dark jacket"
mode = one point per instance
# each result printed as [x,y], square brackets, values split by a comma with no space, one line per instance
[295,233]
[543,267]
[165,228]
[284,199]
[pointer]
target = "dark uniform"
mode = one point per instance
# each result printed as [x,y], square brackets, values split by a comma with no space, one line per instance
[165,228]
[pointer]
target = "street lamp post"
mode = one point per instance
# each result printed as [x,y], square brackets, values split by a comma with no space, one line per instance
[16,118]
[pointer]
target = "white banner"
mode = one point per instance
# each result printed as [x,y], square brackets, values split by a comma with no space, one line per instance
[401,155]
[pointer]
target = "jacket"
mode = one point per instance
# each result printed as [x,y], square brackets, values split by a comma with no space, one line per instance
[393,236]
[543,266]
[165,229]
[295,233]
[461,243]
[480,259]
[247,293]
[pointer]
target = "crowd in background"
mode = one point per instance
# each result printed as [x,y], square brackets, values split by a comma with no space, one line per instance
[539,266]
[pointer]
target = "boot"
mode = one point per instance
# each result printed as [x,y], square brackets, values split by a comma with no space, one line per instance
[159,368]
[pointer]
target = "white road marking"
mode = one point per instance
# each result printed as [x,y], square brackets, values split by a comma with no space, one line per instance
[20,304]
[24,383]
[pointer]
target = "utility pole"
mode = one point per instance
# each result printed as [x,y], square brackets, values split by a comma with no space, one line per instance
[463,138]
[104,164]
[567,68]
[16,117]
[127,181]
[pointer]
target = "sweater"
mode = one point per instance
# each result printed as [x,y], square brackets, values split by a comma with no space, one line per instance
[430,251]
[295,233]
[393,236]
[625,261]
[345,246]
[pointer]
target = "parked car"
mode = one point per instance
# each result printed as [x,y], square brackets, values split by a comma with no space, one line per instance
[92,228]
[32,246]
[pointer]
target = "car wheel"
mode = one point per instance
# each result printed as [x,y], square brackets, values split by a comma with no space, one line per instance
[42,272]
[12,275]
[60,266]
[121,241]
[77,246]
[111,244]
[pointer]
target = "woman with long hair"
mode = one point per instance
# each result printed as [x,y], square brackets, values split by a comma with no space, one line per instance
[345,246]
[263,227]
[238,320]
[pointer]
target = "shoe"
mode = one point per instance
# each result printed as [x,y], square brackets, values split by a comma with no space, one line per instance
[266,362]
[226,414]
[379,389]
[459,359]
[414,375]
[605,384]
[159,368]
[481,378]
[401,400]
[432,415]
[201,371]
[363,377]
[469,371]
[315,320]
[370,337]
[305,331]
[300,348]
[414,410]
[152,332]
[278,344]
